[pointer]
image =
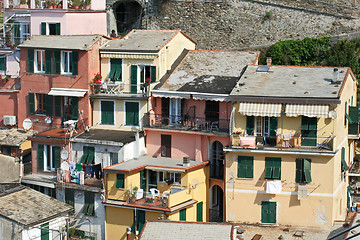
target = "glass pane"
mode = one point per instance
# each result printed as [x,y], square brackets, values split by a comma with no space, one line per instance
[178,177]
[70,62]
[152,177]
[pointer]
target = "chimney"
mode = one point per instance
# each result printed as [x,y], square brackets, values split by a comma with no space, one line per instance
[336,75]
[186,161]
[268,61]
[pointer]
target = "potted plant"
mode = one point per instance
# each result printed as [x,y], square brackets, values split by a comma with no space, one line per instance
[87,4]
[133,194]
[76,4]
[51,3]
[23,4]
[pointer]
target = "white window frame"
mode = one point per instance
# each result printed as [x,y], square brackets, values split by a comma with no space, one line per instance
[140,124]
[42,60]
[24,34]
[264,128]
[50,168]
[100,119]
[139,80]
[175,111]
[172,176]
[66,56]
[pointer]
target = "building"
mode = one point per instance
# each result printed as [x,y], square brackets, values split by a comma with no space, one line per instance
[150,188]
[292,140]
[56,72]
[130,68]
[28,214]
[191,110]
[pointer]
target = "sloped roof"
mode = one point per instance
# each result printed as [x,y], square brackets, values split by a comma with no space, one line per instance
[70,42]
[29,207]
[141,40]
[208,71]
[291,82]
[107,135]
[14,137]
[164,230]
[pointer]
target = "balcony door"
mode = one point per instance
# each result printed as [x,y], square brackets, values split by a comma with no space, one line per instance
[175,111]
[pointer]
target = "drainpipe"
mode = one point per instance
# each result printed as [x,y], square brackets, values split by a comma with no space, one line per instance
[21,163]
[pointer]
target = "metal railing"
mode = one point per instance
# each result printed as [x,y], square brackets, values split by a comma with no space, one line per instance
[119,88]
[186,122]
[148,199]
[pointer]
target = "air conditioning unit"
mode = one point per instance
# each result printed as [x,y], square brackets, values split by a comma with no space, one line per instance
[9,120]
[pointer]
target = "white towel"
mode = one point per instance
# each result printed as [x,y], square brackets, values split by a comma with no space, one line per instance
[273,187]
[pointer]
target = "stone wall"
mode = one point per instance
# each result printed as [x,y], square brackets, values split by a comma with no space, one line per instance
[238,24]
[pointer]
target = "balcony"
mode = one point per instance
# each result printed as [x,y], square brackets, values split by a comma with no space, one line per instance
[48,4]
[119,88]
[187,123]
[282,141]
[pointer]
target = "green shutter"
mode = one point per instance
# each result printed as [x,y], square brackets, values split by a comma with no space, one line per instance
[57,157]
[107,112]
[182,215]
[75,59]
[31,103]
[143,180]
[299,170]
[249,167]
[112,69]
[57,28]
[57,62]
[199,212]
[57,103]
[132,113]
[48,105]
[277,169]
[116,68]
[354,123]
[133,79]
[2,63]
[48,58]
[85,155]
[268,212]
[312,123]
[307,170]
[308,131]
[273,128]
[153,73]
[91,155]
[140,220]
[17,33]
[30,60]
[75,108]
[272,168]
[304,123]
[40,157]
[250,125]
[119,180]
[245,167]
[241,167]
[344,165]
[45,231]
[43,28]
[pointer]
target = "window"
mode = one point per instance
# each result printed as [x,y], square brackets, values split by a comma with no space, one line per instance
[273,168]
[175,111]
[120,180]
[162,176]
[40,103]
[6,150]
[66,62]
[132,113]
[107,112]
[48,157]
[199,212]
[115,69]
[308,131]
[353,118]
[165,145]
[44,231]
[69,197]
[88,155]
[21,32]
[268,212]
[152,175]
[303,170]
[39,61]
[182,214]
[141,74]
[344,166]
[71,108]
[262,126]
[245,167]
[50,28]
[212,111]
[175,178]
[89,208]
[140,221]
[3,63]
[114,158]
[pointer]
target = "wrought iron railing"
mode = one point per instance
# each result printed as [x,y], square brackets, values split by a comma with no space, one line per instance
[119,88]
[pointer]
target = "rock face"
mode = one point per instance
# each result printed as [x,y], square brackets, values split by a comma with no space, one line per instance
[237,24]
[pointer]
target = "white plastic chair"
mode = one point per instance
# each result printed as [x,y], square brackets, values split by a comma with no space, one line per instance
[154,193]
[166,194]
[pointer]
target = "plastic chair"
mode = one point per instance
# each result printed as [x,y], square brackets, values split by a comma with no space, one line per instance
[166,194]
[154,193]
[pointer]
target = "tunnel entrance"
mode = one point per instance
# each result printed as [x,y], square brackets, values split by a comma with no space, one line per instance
[128,16]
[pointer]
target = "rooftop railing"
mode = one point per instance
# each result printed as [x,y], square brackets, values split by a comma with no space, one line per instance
[118,88]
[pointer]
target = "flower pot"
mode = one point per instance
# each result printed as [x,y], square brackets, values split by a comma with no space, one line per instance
[23,6]
[87,7]
[76,7]
[51,7]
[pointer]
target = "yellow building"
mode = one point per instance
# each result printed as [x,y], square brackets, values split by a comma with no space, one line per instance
[151,188]
[130,68]
[292,139]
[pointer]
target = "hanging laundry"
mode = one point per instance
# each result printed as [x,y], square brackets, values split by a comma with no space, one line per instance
[78,167]
[84,167]
[72,166]
[88,170]
[93,171]
[98,170]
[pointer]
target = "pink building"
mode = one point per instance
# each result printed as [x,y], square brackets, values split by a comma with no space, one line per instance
[56,72]
[191,113]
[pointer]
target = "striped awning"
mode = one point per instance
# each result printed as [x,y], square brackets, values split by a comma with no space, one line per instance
[260,109]
[309,110]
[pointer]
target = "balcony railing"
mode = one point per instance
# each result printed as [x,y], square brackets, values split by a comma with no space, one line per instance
[119,88]
[165,199]
[186,123]
[284,141]
[48,4]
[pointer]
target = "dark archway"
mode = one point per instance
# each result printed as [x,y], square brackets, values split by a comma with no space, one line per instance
[216,208]
[128,15]
[217,161]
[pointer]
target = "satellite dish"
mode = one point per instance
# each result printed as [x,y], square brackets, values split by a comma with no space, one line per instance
[27,124]
[64,154]
[194,183]
[231,175]
[64,166]
[332,115]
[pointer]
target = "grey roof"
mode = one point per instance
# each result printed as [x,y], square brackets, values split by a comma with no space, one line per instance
[29,207]
[140,40]
[208,71]
[290,82]
[74,42]
[164,230]
[161,162]
[13,136]
[97,134]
